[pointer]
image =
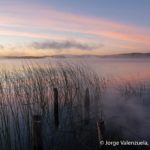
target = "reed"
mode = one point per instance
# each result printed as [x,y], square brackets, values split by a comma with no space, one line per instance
[28,92]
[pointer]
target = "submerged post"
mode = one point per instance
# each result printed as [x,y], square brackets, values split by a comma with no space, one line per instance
[87,106]
[56,111]
[101,134]
[37,132]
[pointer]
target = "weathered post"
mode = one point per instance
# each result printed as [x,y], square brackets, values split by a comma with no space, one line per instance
[87,107]
[101,134]
[37,132]
[56,110]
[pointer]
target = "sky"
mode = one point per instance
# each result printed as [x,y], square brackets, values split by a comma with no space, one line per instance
[99,27]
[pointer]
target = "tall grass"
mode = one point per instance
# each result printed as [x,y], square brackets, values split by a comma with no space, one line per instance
[29,91]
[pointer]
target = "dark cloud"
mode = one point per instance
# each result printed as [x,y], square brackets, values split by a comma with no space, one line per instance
[63,45]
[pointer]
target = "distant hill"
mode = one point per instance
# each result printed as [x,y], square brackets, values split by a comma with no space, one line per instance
[125,55]
[22,57]
[129,55]
[32,57]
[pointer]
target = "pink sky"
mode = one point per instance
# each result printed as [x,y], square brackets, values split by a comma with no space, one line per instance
[20,28]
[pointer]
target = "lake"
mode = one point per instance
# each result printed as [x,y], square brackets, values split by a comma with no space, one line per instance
[104,67]
[126,100]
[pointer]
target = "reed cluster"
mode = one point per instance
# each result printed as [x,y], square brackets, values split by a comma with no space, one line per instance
[29,91]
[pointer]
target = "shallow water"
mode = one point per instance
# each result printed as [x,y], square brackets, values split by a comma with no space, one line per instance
[128,113]
[108,67]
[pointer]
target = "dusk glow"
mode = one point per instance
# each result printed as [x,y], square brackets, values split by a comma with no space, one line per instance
[74,74]
[24,23]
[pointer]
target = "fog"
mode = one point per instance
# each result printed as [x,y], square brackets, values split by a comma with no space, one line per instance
[122,110]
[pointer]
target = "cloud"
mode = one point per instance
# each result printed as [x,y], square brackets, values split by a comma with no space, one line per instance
[49,24]
[1,47]
[60,45]
[64,22]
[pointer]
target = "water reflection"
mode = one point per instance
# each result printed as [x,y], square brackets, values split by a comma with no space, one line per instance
[126,99]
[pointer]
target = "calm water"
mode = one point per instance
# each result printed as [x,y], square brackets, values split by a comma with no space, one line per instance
[122,68]
[129,115]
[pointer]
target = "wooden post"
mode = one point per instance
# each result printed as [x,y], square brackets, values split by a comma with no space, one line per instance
[37,132]
[87,107]
[56,111]
[101,134]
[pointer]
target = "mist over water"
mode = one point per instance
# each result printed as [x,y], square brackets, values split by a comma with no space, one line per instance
[126,100]
[123,68]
